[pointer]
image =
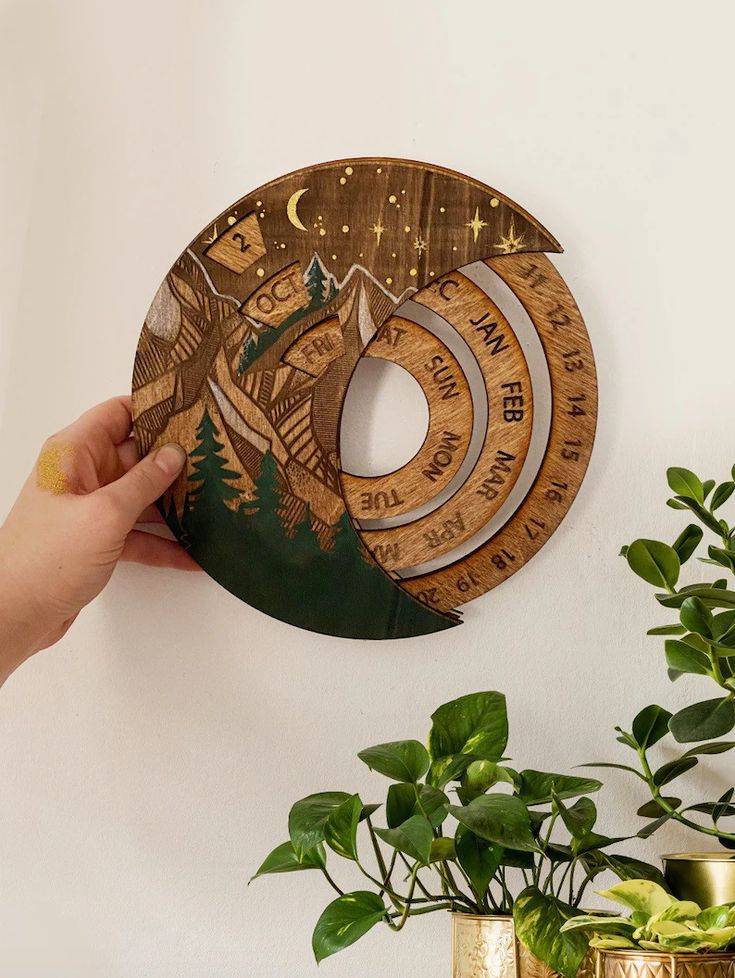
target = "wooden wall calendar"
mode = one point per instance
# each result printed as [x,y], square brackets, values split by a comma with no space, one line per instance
[246,355]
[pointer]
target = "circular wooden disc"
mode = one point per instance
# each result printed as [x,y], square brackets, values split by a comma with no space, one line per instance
[246,354]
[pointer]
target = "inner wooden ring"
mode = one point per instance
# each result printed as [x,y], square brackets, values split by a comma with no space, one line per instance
[447,392]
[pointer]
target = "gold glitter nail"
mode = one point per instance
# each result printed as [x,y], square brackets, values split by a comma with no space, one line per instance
[50,475]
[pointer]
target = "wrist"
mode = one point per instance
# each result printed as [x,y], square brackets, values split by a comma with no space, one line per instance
[22,625]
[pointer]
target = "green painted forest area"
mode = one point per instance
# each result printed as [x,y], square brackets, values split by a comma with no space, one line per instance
[246,549]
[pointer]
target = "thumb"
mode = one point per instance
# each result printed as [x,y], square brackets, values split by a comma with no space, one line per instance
[145,482]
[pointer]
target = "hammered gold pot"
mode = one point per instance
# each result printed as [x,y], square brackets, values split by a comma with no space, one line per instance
[487,947]
[707,878]
[655,964]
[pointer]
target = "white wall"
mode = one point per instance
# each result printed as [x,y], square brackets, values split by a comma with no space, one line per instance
[149,761]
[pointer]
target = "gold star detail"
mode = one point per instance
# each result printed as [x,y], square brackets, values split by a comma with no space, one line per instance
[420,244]
[476,224]
[377,230]
[508,245]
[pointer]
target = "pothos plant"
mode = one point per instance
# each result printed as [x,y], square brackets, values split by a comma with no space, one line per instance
[700,643]
[463,831]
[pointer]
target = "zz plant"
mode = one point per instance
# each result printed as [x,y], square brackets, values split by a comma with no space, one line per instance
[700,643]
[495,848]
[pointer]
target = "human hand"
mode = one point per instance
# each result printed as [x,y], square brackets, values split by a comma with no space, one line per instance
[72,522]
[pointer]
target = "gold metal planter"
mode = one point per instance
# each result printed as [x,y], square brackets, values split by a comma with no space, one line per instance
[708,878]
[656,964]
[486,947]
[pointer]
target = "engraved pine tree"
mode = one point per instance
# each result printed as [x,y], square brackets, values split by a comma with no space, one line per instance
[210,478]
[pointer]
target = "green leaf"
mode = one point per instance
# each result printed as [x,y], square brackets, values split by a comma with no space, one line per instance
[595,924]
[708,486]
[711,596]
[652,809]
[502,819]
[628,868]
[480,776]
[715,747]
[642,895]
[696,617]
[618,767]
[704,721]
[578,818]
[340,829]
[702,512]
[673,769]
[478,858]
[688,541]
[682,482]
[308,818]
[655,562]
[683,658]
[442,850]
[401,760]
[345,921]
[413,837]
[650,726]
[476,724]
[446,769]
[722,494]
[403,802]
[667,630]
[538,921]
[675,504]
[283,859]
[537,787]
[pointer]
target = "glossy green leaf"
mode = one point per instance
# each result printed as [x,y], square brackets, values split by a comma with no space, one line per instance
[283,859]
[593,923]
[652,808]
[537,787]
[476,724]
[713,597]
[655,562]
[696,617]
[502,819]
[413,837]
[708,486]
[673,769]
[403,802]
[643,895]
[480,776]
[650,726]
[704,721]
[667,630]
[340,829]
[682,658]
[682,482]
[715,747]
[688,541]
[578,818]
[538,921]
[721,494]
[346,920]
[308,818]
[442,850]
[479,859]
[447,769]
[401,760]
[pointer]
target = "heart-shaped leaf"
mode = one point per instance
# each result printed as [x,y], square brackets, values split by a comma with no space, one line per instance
[502,819]
[413,837]
[345,921]
[340,829]
[479,859]
[538,921]
[402,760]
[283,859]
[538,787]
[308,818]
[476,724]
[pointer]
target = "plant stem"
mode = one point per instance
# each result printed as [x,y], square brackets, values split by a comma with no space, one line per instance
[331,881]
[673,812]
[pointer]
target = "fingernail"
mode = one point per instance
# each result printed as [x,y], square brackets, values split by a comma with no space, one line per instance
[170,458]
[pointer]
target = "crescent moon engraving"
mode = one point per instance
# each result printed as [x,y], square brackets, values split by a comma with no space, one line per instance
[293,203]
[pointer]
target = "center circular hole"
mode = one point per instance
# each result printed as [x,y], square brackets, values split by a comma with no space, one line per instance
[385,418]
